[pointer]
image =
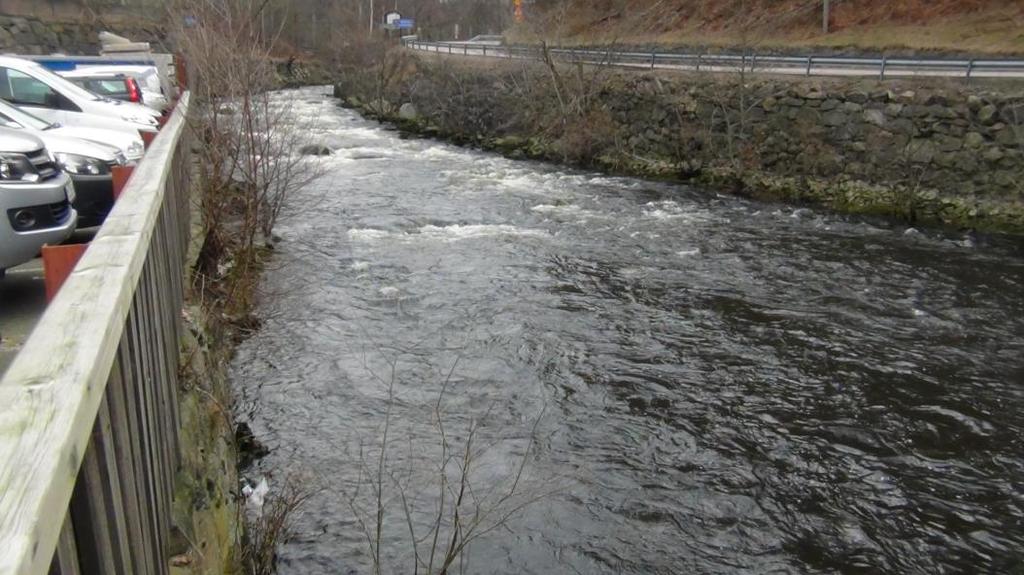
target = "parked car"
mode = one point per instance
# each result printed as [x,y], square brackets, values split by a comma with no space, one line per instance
[88,163]
[107,85]
[128,143]
[139,84]
[35,199]
[56,99]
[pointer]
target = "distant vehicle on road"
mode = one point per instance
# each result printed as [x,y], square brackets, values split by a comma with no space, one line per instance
[137,84]
[35,199]
[56,99]
[128,143]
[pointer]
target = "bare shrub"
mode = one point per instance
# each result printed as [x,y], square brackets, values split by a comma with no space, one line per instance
[438,495]
[248,161]
[270,526]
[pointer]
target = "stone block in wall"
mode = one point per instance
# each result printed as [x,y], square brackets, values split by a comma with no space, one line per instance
[921,151]
[974,140]
[875,117]
[948,143]
[987,114]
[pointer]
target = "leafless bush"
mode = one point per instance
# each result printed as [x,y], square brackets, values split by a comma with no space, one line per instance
[439,496]
[269,526]
[248,161]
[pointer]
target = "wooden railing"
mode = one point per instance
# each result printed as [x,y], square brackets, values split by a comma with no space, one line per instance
[88,408]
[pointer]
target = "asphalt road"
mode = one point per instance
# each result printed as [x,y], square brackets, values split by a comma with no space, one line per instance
[23,301]
[765,65]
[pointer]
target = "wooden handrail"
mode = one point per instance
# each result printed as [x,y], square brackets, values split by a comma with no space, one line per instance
[73,393]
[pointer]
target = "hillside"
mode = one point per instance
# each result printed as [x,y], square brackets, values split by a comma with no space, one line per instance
[974,26]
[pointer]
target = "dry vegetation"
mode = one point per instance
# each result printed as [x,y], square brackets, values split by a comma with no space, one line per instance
[982,26]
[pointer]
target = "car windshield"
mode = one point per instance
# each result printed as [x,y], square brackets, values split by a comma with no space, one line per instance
[19,116]
[65,85]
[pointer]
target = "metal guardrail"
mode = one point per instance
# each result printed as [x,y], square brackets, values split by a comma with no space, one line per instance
[89,423]
[755,63]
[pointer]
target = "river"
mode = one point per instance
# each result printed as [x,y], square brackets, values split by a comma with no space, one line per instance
[684,382]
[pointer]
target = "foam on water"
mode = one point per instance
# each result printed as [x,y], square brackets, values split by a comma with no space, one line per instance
[452,232]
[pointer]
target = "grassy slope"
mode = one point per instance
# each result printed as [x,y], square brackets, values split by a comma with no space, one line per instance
[977,26]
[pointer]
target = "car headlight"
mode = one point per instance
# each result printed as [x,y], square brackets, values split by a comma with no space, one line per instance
[82,165]
[17,168]
[135,150]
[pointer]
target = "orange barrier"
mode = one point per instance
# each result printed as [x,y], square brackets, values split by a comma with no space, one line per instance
[58,262]
[120,175]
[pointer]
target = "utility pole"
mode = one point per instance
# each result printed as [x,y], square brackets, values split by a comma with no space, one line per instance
[824,16]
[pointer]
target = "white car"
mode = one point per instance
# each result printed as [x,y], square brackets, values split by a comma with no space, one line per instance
[146,76]
[35,199]
[89,164]
[128,143]
[55,99]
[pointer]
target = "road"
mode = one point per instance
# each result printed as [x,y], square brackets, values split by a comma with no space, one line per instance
[23,301]
[779,65]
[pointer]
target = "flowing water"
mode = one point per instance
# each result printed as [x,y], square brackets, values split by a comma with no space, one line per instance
[692,383]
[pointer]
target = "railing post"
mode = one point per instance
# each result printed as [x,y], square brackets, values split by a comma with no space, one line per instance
[881,74]
[970,68]
[810,62]
[654,55]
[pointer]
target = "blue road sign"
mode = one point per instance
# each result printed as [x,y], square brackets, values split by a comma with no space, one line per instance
[406,24]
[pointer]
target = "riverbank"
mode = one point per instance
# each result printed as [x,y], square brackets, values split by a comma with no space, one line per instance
[942,154]
[215,535]
[910,26]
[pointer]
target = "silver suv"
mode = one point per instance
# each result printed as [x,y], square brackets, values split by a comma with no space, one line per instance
[35,199]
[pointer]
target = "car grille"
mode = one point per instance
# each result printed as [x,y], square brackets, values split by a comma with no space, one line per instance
[43,164]
[60,212]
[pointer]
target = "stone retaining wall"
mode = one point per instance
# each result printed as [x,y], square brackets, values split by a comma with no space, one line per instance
[949,154]
[30,35]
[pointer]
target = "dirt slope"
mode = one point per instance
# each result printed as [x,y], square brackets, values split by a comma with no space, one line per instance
[981,26]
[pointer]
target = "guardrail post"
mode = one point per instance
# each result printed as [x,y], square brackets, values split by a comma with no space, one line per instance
[970,68]
[653,56]
[698,61]
[881,74]
[810,62]
[485,50]
[753,61]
